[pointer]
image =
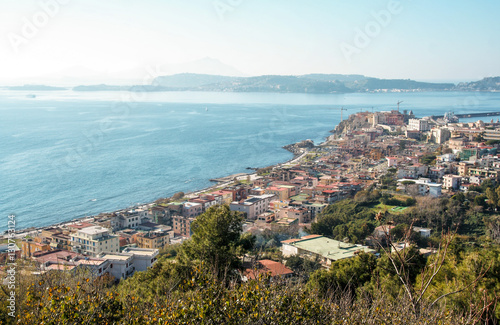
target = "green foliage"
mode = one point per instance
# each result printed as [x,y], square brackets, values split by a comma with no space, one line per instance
[169,251]
[399,231]
[216,239]
[492,142]
[475,275]
[345,219]
[367,197]
[301,266]
[178,196]
[388,199]
[429,159]
[388,179]
[346,274]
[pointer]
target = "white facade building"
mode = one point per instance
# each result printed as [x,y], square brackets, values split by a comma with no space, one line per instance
[451,182]
[94,240]
[418,125]
[123,265]
[253,206]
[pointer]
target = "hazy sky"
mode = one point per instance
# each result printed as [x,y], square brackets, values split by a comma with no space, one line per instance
[423,40]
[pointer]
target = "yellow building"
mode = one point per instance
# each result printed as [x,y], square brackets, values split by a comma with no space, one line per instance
[156,240]
[30,247]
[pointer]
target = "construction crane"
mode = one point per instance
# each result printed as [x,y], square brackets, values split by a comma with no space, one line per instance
[399,102]
[342,111]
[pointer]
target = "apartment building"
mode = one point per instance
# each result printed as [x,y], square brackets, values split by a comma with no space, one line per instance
[94,240]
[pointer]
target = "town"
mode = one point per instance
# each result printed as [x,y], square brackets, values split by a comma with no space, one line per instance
[430,156]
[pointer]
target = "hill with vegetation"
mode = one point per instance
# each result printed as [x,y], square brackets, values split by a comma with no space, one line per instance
[486,84]
[309,83]
[199,281]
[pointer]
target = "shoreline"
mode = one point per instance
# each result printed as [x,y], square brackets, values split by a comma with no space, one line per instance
[21,233]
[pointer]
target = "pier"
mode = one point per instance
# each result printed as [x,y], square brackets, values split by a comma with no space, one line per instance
[467,115]
[228,178]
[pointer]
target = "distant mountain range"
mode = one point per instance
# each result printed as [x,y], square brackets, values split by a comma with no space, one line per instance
[310,83]
[35,88]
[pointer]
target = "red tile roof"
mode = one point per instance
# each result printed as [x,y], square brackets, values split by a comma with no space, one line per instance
[268,267]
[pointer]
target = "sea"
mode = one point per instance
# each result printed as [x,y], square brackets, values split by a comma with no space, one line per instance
[66,154]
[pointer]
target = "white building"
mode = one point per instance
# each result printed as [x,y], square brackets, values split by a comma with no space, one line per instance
[418,125]
[392,161]
[94,240]
[424,232]
[130,219]
[441,135]
[143,257]
[424,186]
[253,206]
[451,182]
[123,265]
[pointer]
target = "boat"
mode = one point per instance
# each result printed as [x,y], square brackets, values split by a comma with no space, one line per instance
[31,95]
[450,117]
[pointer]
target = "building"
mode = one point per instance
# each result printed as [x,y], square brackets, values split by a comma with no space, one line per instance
[424,186]
[94,240]
[451,182]
[314,208]
[153,239]
[392,161]
[29,247]
[143,258]
[492,173]
[424,232]
[302,214]
[9,252]
[182,225]
[388,118]
[63,260]
[192,209]
[440,135]
[324,249]
[492,134]
[123,265]
[253,206]
[281,193]
[268,268]
[418,125]
[383,231]
[227,196]
[128,220]
[463,169]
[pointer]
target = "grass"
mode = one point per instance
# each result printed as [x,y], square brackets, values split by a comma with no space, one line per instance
[399,209]
[391,208]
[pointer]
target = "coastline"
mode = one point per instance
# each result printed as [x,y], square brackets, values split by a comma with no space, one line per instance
[36,230]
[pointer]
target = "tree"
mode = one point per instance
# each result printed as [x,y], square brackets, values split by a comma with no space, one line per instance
[428,159]
[492,197]
[216,239]
[178,196]
[345,274]
[302,266]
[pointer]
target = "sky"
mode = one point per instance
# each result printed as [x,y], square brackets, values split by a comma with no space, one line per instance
[90,41]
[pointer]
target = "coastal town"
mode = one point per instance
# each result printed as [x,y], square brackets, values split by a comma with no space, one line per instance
[430,156]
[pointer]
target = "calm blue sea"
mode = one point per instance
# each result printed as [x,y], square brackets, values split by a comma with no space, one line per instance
[69,154]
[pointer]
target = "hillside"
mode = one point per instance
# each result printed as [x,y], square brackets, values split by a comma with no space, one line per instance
[486,84]
[309,83]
